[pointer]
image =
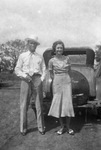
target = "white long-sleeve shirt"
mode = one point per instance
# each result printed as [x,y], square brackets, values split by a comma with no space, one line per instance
[23,66]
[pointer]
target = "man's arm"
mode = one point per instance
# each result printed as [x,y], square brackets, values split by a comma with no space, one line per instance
[18,68]
[19,72]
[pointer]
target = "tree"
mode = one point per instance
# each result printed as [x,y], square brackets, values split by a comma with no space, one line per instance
[9,53]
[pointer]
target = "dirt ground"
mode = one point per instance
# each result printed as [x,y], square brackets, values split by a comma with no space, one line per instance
[87,134]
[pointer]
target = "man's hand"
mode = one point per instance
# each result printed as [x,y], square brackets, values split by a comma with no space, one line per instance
[42,78]
[28,78]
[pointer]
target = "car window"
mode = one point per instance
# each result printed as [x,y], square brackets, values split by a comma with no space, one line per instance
[77,59]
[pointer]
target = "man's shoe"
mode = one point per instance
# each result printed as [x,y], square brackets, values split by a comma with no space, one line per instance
[42,132]
[24,132]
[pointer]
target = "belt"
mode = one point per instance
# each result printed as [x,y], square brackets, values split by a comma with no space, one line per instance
[60,73]
[36,74]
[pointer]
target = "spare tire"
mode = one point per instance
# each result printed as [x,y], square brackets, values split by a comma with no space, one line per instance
[80,88]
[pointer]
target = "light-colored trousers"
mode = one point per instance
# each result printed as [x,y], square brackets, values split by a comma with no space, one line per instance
[27,89]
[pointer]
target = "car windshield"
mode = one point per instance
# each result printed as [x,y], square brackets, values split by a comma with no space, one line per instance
[78,59]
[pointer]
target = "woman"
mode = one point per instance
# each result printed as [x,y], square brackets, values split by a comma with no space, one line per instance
[61,106]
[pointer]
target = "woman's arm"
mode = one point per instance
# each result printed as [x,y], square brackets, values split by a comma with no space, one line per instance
[69,65]
[51,74]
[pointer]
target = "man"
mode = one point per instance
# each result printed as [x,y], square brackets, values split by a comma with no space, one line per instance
[97,61]
[31,69]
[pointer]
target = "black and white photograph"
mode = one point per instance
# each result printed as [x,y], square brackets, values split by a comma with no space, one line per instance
[50,74]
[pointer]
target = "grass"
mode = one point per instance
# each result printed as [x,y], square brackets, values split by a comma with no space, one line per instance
[8,79]
[6,76]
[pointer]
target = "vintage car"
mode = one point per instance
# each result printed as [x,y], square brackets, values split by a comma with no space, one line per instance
[86,86]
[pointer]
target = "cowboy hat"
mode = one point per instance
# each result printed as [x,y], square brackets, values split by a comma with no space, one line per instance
[98,43]
[32,39]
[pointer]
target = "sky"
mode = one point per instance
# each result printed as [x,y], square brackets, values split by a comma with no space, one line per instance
[75,22]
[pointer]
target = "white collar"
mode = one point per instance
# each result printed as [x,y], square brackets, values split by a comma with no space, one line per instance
[31,53]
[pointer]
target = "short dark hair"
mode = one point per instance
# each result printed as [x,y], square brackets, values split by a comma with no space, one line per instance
[55,44]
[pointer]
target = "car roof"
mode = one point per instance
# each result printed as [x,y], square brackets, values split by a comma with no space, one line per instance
[48,54]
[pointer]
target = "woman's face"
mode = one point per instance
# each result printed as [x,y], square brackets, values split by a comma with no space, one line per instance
[59,49]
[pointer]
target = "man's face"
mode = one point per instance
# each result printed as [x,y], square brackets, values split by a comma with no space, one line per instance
[32,46]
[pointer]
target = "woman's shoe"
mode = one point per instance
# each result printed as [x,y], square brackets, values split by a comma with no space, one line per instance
[70,131]
[61,131]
